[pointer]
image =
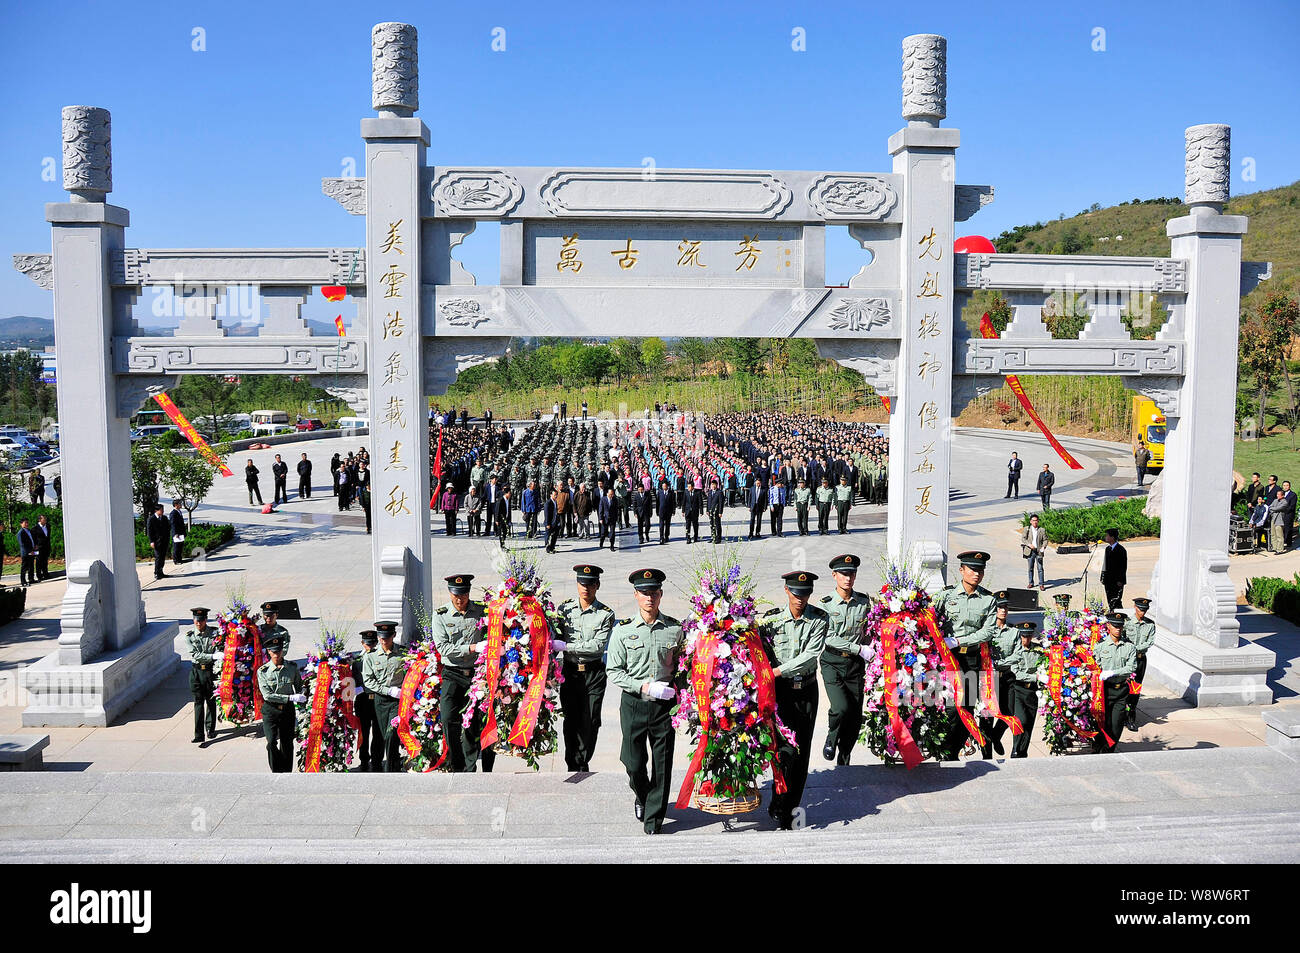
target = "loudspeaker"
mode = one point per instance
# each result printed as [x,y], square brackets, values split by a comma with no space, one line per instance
[1022,600]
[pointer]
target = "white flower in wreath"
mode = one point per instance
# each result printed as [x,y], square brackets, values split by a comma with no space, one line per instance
[909,626]
[720,608]
[723,650]
[895,604]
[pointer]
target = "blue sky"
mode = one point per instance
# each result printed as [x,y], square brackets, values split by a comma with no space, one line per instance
[226,147]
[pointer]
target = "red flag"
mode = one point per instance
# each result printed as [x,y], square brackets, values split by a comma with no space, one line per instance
[338,323]
[334,292]
[885,400]
[988,331]
[437,459]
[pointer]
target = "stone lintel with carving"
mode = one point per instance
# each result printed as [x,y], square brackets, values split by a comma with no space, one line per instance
[875,360]
[586,311]
[352,389]
[969,199]
[348,192]
[1252,273]
[255,266]
[39,268]
[132,391]
[304,355]
[1164,391]
[1074,273]
[1162,358]
[444,358]
[542,192]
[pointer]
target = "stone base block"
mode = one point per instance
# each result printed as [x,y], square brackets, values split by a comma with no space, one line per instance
[23,752]
[1282,727]
[1207,676]
[97,692]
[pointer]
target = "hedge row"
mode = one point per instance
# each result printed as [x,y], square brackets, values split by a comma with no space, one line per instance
[205,536]
[1278,596]
[1086,524]
[53,515]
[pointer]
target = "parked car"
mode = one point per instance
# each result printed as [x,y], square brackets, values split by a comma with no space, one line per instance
[269,422]
[309,423]
[353,423]
[151,431]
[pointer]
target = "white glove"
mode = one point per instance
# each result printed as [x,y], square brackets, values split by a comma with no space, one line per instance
[216,662]
[661,690]
[297,699]
[1042,677]
[867,652]
[479,646]
[951,642]
[559,645]
[393,692]
[1106,673]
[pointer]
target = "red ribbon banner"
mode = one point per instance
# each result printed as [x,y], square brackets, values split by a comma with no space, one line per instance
[990,697]
[406,702]
[988,331]
[539,637]
[185,427]
[492,672]
[952,675]
[903,740]
[316,728]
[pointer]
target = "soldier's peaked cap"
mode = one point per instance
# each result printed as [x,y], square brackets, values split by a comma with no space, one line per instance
[847,562]
[386,629]
[1116,618]
[974,558]
[269,606]
[1026,627]
[369,637]
[275,642]
[800,582]
[587,572]
[1001,598]
[199,613]
[1142,603]
[458,584]
[647,579]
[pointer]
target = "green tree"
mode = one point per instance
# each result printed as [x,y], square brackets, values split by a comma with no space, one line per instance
[1065,314]
[654,355]
[695,351]
[188,478]
[628,361]
[1264,341]
[210,394]
[1144,316]
[144,475]
[747,355]
[1000,313]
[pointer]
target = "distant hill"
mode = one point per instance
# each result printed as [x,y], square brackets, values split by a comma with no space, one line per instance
[25,330]
[1138,228]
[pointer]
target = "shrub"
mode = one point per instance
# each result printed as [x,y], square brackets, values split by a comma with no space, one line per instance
[1278,596]
[1086,524]
[53,515]
[13,600]
[205,536]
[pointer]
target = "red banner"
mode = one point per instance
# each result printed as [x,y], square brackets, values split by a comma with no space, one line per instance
[903,740]
[319,706]
[192,435]
[406,702]
[990,697]
[521,733]
[953,675]
[338,323]
[885,400]
[701,683]
[234,638]
[492,672]
[988,331]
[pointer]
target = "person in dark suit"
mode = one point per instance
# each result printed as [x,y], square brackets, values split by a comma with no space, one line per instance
[176,523]
[714,505]
[733,487]
[304,478]
[158,530]
[553,520]
[335,463]
[502,517]
[1288,512]
[756,500]
[607,511]
[777,500]
[42,533]
[491,496]
[665,506]
[1114,570]
[1046,480]
[250,477]
[691,505]
[280,471]
[361,481]
[1014,467]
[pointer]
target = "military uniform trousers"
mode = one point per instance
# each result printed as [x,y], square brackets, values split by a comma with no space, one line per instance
[581,694]
[823,518]
[648,741]
[801,514]
[1024,705]
[1116,710]
[463,744]
[842,516]
[843,675]
[277,726]
[385,712]
[995,728]
[969,664]
[1130,709]
[202,685]
[798,710]
[370,739]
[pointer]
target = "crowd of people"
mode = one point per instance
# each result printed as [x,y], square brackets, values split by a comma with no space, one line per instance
[1270,512]
[583,479]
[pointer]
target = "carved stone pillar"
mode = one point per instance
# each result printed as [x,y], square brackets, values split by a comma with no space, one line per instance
[920,425]
[1197,647]
[399,425]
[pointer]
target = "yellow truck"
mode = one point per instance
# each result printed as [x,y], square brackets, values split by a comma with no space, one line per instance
[1149,429]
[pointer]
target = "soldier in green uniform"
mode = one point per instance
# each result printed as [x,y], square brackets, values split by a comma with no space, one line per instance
[370,738]
[281,687]
[802,497]
[843,501]
[584,635]
[459,635]
[825,497]
[382,672]
[1141,631]
[271,626]
[844,661]
[794,638]
[204,664]
[643,655]
[1026,675]
[1006,638]
[971,612]
[1118,660]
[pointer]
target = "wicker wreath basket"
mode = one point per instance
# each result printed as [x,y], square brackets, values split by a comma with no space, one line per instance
[715,804]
